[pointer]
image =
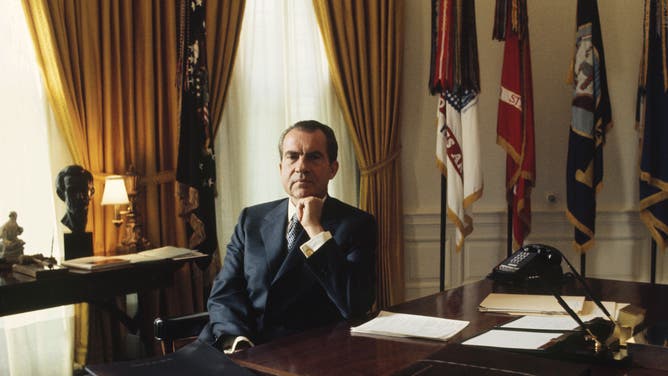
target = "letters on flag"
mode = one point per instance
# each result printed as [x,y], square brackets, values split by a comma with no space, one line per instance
[458,157]
[455,76]
[515,121]
[652,123]
[591,119]
[196,172]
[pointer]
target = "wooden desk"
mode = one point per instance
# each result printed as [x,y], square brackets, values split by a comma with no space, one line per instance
[21,293]
[334,351]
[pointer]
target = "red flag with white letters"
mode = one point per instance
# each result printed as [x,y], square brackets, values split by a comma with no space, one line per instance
[515,121]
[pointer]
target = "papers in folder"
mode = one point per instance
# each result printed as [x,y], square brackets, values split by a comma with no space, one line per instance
[405,325]
[522,304]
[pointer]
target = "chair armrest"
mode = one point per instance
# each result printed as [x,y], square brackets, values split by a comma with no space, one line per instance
[173,328]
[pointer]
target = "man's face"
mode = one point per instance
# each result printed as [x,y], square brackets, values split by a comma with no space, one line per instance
[78,191]
[305,168]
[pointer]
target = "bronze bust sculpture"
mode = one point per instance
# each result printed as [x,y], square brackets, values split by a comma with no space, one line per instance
[74,185]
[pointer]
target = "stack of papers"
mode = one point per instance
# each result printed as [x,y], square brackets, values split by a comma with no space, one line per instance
[405,325]
[522,304]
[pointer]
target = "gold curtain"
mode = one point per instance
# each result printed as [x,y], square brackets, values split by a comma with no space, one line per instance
[364,41]
[109,69]
[223,26]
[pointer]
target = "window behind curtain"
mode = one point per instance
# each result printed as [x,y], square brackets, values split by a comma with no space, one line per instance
[281,76]
[40,342]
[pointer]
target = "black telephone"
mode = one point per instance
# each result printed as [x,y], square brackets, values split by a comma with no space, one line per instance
[532,262]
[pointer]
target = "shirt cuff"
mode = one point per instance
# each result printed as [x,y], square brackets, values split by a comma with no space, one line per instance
[239,343]
[311,246]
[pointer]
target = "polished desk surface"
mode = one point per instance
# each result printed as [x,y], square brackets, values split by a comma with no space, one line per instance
[334,351]
[22,293]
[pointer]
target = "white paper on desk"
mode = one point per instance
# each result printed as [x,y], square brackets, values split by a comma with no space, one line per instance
[406,325]
[511,339]
[527,304]
[550,322]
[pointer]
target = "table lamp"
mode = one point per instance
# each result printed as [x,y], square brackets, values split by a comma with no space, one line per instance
[124,190]
[115,194]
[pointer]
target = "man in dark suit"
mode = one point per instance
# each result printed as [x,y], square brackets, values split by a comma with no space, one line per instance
[268,287]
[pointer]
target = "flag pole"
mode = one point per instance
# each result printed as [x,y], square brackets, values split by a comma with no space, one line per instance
[652,278]
[509,231]
[444,200]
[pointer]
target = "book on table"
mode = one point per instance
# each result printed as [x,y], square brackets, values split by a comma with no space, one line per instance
[39,271]
[150,255]
[95,262]
[170,252]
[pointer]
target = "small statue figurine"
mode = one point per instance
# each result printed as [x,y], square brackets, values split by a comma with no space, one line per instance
[11,247]
[74,185]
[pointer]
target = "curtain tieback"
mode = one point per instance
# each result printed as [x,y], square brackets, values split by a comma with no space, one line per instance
[161,177]
[375,167]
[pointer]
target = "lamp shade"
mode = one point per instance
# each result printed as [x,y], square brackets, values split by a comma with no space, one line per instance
[114,191]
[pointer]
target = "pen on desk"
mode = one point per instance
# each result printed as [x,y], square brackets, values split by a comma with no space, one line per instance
[53,235]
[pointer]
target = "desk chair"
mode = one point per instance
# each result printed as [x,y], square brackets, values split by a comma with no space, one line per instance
[175,332]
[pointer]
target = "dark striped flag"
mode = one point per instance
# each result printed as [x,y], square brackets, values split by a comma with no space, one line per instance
[515,120]
[196,172]
[652,122]
[591,119]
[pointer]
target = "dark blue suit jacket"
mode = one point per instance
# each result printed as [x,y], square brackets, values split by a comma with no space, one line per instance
[264,293]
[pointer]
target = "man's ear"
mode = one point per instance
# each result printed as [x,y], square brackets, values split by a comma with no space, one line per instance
[333,168]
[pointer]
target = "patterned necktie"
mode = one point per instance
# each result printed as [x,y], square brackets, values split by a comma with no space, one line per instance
[294,228]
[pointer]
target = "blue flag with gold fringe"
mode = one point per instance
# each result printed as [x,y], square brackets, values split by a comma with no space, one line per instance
[591,118]
[652,123]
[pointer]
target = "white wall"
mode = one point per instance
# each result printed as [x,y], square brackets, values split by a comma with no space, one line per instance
[620,235]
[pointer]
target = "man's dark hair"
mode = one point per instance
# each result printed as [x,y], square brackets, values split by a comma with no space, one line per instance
[311,126]
[72,170]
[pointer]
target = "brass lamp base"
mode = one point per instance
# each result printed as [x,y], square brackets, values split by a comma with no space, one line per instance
[132,239]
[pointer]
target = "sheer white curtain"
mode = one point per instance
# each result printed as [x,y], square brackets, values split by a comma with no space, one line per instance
[39,342]
[281,76]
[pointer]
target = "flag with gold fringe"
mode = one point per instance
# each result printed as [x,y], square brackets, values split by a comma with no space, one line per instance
[196,172]
[515,120]
[455,77]
[591,119]
[652,122]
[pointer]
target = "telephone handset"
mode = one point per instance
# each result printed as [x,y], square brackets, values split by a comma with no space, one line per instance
[532,262]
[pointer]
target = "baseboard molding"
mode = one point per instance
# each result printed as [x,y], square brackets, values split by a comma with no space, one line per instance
[620,236]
